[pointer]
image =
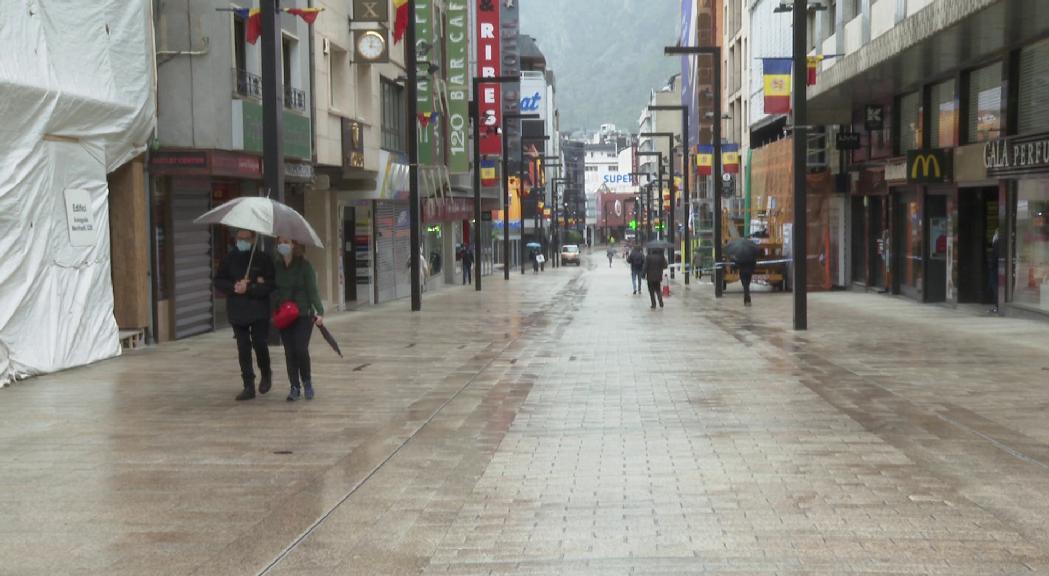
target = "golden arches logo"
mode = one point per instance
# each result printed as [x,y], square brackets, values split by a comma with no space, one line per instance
[925,162]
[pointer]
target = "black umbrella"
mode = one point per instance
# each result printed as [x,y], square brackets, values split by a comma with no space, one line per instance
[658,245]
[330,339]
[743,251]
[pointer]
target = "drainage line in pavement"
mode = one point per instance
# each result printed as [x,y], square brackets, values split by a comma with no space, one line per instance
[317,524]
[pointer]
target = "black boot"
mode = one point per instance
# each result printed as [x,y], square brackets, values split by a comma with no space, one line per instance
[266,383]
[294,394]
[248,393]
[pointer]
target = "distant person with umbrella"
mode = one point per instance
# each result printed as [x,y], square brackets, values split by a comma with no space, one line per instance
[655,264]
[297,283]
[247,279]
[744,254]
[636,259]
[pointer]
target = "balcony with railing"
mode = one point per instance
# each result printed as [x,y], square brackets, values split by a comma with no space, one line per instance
[248,85]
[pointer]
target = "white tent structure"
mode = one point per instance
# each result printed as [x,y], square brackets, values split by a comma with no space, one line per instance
[77,81]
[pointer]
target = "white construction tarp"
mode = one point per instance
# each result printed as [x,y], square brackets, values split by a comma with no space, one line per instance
[77,95]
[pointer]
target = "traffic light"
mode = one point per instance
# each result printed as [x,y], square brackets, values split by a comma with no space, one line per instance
[633,224]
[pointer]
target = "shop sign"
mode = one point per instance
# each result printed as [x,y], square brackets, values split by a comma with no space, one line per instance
[931,166]
[79,218]
[352,145]
[847,141]
[895,171]
[298,171]
[180,160]
[1017,156]
[489,65]
[371,11]
[236,165]
[874,118]
[297,139]
[457,43]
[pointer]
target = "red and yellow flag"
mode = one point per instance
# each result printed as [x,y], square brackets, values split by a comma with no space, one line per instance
[705,160]
[813,63]
[400,21]
[308,15]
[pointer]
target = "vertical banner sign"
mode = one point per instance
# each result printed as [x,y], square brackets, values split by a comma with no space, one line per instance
[489,109]
[458,86]
[511,66]
[424,38]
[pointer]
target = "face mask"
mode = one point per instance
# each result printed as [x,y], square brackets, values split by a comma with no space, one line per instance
[284,249]
[243,245]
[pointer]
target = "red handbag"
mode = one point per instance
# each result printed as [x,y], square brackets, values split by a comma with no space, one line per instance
[286,315]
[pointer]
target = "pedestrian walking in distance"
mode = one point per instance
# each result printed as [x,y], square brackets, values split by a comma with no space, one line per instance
[655,264]
[535,261]
[744,254]
[296,281]
[246,276]
[636,259]
[468,266]
[611,254]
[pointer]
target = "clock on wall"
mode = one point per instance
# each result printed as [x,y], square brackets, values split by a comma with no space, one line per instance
[371,47]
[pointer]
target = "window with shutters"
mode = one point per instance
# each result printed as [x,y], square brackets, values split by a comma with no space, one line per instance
[984,113]
[944,127]
[394,121]
[1033,104]
[910,128]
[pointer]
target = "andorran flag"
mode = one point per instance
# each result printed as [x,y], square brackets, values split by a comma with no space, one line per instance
[705,160]
[252,25]
[400,20]
[813,63]
[730,158]
[777,85]
[489,177]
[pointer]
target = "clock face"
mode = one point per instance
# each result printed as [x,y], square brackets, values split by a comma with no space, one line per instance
[371,45]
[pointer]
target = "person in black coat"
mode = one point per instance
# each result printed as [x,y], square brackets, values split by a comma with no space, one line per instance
[655,264]
[248,308]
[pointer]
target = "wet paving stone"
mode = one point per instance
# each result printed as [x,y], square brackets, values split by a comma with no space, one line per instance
[552,425]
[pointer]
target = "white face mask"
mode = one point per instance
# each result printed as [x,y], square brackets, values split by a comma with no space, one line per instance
[284,249]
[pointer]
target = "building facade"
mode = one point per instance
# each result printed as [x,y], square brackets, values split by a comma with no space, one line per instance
[948,188]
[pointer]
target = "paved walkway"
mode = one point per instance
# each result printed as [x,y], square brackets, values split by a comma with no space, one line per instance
[552,425]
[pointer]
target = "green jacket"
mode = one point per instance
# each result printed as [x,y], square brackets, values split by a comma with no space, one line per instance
[298,282]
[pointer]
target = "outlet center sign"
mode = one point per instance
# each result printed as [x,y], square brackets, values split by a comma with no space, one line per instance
[489,108]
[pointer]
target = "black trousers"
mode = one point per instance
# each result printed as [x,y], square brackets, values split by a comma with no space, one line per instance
[296,340]
[746,274]
[468,276]
[655,290]
[254,336]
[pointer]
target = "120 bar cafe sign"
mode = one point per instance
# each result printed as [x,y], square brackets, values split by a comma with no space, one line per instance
[1017,156]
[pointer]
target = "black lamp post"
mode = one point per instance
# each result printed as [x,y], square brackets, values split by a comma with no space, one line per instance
[648,218]
[670,224]
[555,225]
[476,103]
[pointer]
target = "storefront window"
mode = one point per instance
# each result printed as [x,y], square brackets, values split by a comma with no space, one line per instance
[910,122]
[1033,110]
[985,103]
[911,254]
[1031,284]
[944,115]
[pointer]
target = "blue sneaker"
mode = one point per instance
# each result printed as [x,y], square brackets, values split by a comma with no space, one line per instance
[293,395]
[309,390]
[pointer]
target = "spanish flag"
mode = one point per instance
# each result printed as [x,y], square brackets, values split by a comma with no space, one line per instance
[308,15]
[705,160]
[730,158]
[777,85]
[400,21]
[813,64]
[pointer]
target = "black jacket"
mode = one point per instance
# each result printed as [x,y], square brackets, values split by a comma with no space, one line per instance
[636,260]
[242,309]
[655,264]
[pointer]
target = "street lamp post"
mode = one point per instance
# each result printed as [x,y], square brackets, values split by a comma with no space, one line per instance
[478,260]
[799,251]
[648,213]
[506,191]
[555,225]
[671,224]
[715,53]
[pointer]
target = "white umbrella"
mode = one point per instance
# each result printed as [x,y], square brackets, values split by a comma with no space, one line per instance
[264,216]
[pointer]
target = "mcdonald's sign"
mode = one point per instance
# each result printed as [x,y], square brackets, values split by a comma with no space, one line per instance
[932,166]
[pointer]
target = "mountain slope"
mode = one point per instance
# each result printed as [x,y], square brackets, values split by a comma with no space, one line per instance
[607,55]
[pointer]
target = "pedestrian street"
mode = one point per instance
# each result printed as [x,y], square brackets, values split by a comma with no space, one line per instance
[552,424]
